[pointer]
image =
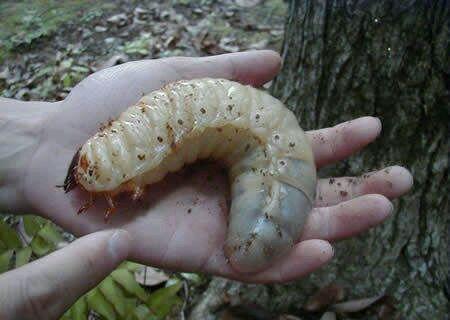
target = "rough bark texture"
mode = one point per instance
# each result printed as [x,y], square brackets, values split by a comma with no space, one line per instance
[344,59]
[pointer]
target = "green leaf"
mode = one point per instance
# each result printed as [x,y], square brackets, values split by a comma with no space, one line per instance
[43,72]
[162,300]
[141,312]
[67,80]
[5,259]
[66,316]
[79,310]
[114,294]
[23,256]
[40,247]
[131,266]
[50,234]
[8,236]
[32,224]
[97,302]
[127,281]
[3,246]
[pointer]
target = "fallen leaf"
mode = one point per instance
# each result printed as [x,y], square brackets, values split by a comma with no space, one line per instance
[96,301]
[328,316]
[165,14]
[267,85]
[9,236]
[192,277]
[247,3]
[127,281]
[114,60]
[23,256]
[172,41]
[356,305]
[149,276]
[197,11]
[4,74]
[259,45]
[386,312]
[5,260]
[161,301]
[118,19]
[226,44]
[23,94]
[100,29]
[141,13]
[324,297]
[62,244]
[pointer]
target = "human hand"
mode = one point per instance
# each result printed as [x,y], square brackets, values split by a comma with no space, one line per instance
[45,288]
[181,224]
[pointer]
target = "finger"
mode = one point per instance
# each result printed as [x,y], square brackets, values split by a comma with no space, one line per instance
[106,93]
[306,257]
[348,218]
[129,81]
[251,67]
[391,182]
[45,288]
[336,143]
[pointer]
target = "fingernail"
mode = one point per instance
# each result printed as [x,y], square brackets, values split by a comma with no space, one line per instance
[379,125]
[119,244]
[391,208]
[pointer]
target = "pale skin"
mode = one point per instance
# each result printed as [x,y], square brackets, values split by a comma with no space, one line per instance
[181,222]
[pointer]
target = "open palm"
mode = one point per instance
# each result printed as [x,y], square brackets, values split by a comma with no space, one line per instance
[181,222]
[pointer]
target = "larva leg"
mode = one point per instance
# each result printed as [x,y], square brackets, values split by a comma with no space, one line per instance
[111,209]
[88,204]
[138,192]
[70,182]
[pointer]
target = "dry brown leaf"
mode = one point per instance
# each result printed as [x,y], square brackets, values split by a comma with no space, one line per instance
[324,297]
[172,41]
[385,312]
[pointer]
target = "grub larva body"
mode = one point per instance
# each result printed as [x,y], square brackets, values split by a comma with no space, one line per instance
[270,162]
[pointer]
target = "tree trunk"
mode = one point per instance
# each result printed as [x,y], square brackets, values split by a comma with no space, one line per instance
[349,58]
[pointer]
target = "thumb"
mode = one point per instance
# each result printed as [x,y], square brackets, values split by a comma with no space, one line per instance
[45,288]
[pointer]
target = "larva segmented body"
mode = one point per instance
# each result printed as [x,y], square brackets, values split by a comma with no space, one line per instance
[271,167]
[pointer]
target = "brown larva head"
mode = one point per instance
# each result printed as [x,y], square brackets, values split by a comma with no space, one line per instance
[70,182]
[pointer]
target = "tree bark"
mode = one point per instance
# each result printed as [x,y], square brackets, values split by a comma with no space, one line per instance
[350,58]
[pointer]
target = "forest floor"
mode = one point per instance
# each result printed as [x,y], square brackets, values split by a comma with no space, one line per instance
[48,47]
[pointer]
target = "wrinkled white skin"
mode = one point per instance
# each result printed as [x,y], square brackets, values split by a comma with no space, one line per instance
[270,162]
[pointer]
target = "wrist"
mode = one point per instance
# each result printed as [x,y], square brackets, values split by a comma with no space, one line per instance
[20,133]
